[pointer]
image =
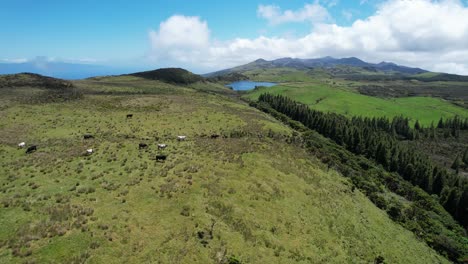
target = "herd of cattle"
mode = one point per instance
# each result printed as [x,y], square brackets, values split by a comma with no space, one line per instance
[30,149]
[90,151]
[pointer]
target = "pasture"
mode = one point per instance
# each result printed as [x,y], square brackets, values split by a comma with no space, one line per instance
[251,195]
[333,98]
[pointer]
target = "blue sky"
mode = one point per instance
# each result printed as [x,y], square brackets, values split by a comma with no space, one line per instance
[109,30]
[132,32]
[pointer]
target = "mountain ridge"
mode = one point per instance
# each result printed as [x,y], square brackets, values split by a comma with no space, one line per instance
[323,62]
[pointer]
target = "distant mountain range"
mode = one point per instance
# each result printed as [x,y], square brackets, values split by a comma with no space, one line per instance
[344,66]
[63,70]
[325,62]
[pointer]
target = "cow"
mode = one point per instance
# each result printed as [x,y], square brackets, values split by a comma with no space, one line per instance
[161,157]
[21,145]
[142,146]
[31,149]
[89,151]
[88,136]
[181,138]
[214,136]
[129,116]
[162,146]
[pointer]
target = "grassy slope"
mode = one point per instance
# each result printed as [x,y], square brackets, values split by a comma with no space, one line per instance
[279,75]
[270,201]
[326,98]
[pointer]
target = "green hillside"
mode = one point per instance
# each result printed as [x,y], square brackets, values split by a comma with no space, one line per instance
[327,98]
[252,195]
[170,75]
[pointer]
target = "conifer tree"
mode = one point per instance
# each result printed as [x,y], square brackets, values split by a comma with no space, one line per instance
[465,157]
[456,164]
[417,126]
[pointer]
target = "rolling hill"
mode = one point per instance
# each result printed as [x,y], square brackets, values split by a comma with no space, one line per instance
[171,75]
[244,187]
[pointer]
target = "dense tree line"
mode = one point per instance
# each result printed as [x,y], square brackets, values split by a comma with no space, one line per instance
[376,138]
[400,127]
[452,126]
[453,123]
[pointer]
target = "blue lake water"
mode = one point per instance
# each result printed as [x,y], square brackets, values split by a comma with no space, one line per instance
[248,85]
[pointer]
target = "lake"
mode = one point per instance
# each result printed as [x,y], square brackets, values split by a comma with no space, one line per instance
[248,85]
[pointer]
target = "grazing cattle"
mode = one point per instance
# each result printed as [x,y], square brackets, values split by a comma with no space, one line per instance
[142,146]
[181,138]
[88,136]
[21,145]
[89,151]
[162,146]
[31,149]
[161,157]
[129,115]
[214,136]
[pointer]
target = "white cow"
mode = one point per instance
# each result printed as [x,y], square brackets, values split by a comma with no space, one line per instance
[181,138]
[162,146]
[21,145]
[89,151]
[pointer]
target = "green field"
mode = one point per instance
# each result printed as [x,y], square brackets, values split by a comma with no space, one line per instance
[247,195]
[327,98]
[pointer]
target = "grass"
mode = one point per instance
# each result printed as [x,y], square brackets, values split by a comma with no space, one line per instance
[280,75]
[329,99]
[247,195]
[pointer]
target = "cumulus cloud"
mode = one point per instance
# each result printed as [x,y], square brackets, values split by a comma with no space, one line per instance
[181,37]
[310,12]
[423,33]
[182,31]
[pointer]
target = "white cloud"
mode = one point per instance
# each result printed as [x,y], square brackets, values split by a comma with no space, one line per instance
[45,59]
[451,67]
[181,37]
[423,33]
[182,31]
[310,12]
[15,60]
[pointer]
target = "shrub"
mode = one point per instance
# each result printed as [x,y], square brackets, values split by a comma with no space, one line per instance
[233,260]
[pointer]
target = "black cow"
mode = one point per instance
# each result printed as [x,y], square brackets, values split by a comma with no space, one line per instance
[31,149]
[88,136]
[129,115]
[161,157]
[142,146]
[214,136]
